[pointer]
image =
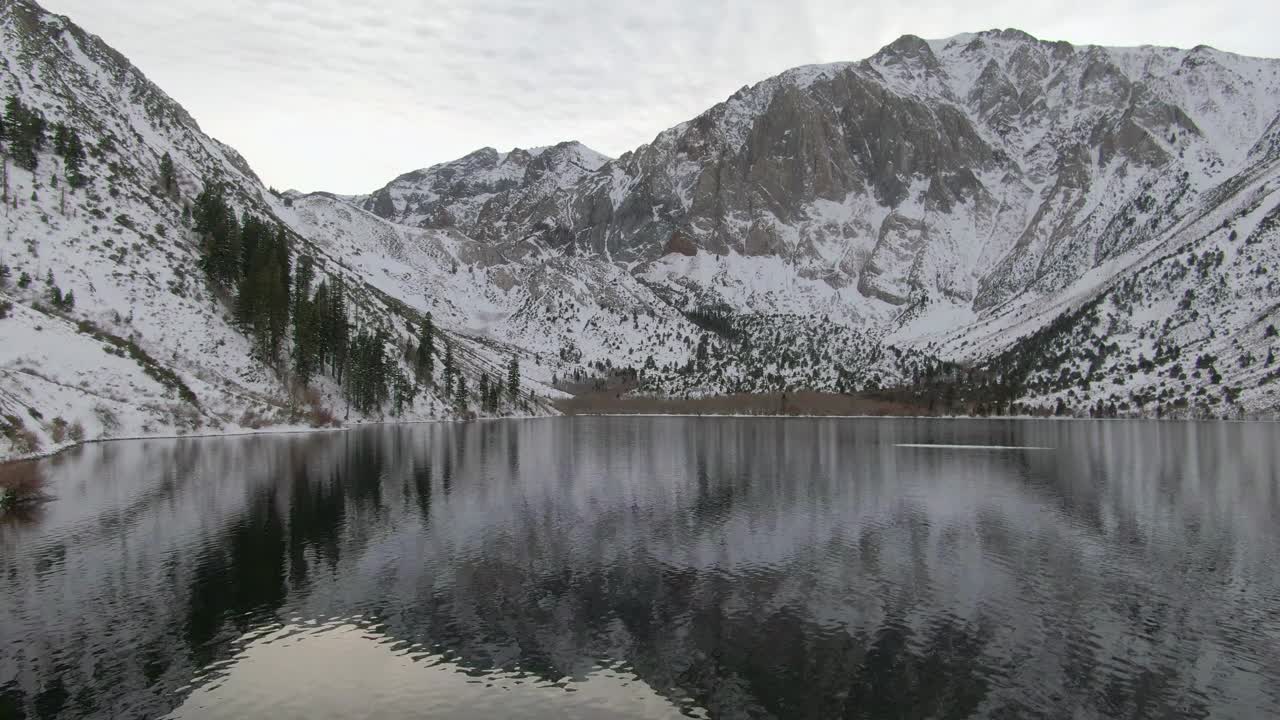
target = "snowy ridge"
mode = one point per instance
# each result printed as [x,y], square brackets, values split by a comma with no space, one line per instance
[455,193]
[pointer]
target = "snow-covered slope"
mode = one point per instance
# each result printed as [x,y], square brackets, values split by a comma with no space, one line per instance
[149,346]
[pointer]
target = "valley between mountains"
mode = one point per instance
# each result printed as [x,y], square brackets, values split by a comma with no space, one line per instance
[984,224]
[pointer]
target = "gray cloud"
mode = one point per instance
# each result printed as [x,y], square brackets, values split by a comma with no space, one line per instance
[343,96]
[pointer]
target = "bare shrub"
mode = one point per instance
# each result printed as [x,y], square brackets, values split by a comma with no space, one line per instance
[110,423]
[20,483]
[185,417]
[24,441]
[320,416]
[251,419]
[58,430]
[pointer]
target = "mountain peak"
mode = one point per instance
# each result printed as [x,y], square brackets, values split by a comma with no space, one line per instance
[907,47]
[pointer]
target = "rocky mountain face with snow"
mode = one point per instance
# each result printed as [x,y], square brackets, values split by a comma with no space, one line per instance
[956,195]
[1008,221]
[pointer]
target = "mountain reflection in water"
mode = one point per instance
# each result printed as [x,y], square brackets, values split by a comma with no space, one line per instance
[653,567]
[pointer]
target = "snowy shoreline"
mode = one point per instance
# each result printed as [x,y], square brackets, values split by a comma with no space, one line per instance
[241,432]
[275,430]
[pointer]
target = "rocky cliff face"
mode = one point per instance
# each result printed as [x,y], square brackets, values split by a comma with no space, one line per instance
[475,191]
[974,168]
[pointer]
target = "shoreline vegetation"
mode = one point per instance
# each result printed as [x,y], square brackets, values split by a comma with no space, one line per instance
[808,403]
[21,487]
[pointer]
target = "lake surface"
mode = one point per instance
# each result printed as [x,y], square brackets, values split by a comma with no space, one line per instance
[654,567]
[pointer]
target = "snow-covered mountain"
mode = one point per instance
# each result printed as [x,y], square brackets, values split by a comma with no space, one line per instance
[956,196]
[147,344]
[993,216]
[474,192]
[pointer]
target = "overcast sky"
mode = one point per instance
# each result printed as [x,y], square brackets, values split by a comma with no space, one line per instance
[342,96]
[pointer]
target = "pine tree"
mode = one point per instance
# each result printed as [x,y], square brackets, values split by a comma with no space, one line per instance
[304,276]
[448,367]
[73,155]
[425,364]
[168,176]
[460,399]
[278,300]
[513,379]
[60,138]
[305,345]
[311,346]
[403,391]
[25,132]
[216,223]
[337,330]
[484,392]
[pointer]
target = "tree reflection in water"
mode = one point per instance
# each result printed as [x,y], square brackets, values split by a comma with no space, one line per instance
[735,567]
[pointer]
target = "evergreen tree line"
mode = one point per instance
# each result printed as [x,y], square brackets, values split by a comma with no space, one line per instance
[372,374]
[23,131]
[277,299]
[67,145]
[490,390]
[250,258]
[24,134]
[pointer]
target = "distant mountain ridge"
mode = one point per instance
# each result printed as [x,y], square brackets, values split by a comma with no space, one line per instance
[994,148]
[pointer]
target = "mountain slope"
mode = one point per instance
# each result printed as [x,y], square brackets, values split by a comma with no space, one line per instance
[149,345]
